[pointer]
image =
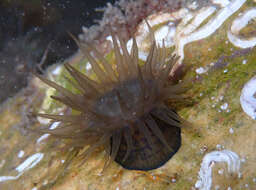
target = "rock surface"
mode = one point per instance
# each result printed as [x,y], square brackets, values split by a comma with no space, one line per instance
[219,70]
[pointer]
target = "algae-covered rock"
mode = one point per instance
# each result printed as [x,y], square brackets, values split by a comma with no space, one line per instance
[217,43]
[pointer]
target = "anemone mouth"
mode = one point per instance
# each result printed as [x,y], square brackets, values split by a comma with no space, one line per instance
[126,100]
[150,154]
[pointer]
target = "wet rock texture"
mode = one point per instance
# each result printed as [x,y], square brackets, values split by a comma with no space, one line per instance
[219,70]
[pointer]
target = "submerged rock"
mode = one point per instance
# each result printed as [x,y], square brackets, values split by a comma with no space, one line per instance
[219,125]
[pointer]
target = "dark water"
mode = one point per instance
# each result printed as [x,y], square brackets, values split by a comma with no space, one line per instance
[29,28]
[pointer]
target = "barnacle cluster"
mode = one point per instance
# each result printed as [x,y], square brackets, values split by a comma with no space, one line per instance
[124,108]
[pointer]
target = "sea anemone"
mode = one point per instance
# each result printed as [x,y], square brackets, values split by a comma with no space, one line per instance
[124,109]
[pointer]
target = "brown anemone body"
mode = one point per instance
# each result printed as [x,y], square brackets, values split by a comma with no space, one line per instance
[123,109]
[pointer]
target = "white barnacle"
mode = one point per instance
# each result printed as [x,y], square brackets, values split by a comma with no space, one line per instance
[29,163]
[248,99]
[237,25]
[193,31]
[204,181]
